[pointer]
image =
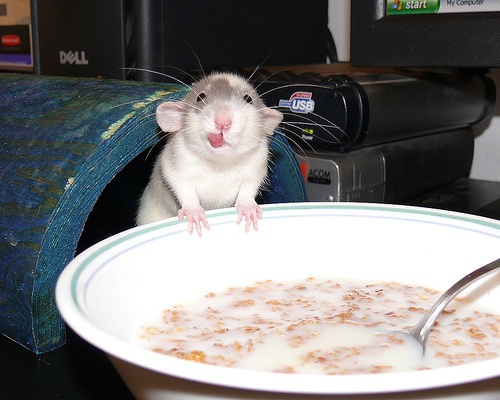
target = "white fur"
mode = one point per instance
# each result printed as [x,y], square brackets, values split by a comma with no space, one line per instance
[191,174]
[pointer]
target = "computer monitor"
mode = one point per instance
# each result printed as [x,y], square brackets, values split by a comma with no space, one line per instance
[457,34]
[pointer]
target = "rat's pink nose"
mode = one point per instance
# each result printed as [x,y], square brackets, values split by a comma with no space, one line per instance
[223,121]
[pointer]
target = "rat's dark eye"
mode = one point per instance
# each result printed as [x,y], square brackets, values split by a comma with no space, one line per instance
[201,96]
[247,98]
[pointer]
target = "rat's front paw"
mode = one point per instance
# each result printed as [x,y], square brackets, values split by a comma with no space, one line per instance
[196,217]
[251,212]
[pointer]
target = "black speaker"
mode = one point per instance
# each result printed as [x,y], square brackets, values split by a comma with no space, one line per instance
[91,38]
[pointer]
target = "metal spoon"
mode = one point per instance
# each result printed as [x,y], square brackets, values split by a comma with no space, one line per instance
[420,331]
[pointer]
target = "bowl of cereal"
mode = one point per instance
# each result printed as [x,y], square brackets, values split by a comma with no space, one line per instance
[303,308]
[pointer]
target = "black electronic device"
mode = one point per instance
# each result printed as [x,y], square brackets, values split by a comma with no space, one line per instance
[388,173]
[431,34]
[147,39]
[328,112]
[84,39]
[15,48]
[340,112]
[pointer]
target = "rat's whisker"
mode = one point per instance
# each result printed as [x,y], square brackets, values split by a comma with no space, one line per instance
[294,141]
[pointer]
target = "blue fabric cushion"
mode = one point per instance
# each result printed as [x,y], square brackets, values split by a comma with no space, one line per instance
[62,140]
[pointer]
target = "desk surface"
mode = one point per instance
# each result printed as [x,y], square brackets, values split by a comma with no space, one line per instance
[79,371]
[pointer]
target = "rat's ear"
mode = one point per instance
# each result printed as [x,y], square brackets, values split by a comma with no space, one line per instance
[272,119]
[169,115]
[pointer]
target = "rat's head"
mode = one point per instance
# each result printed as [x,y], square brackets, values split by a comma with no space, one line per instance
[221,112]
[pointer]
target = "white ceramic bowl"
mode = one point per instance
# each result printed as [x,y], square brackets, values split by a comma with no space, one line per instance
[105,293]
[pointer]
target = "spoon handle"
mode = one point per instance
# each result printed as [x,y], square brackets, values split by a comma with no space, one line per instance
[423,327]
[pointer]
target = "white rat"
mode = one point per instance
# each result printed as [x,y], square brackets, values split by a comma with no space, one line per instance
[216,155]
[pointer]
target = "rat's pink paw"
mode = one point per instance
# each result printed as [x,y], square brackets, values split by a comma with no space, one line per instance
[196,218]
[251,212]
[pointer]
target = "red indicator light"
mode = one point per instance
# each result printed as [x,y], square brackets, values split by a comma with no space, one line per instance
[11,40]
